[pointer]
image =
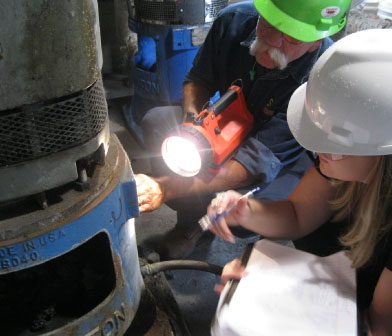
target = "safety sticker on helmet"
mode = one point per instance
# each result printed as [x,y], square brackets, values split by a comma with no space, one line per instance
[331,11]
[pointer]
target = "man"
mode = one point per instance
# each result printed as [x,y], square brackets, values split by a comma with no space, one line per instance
[270,46]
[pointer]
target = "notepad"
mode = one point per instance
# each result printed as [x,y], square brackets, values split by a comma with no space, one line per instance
[290,292]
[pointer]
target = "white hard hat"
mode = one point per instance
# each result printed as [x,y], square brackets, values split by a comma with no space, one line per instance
[346,105]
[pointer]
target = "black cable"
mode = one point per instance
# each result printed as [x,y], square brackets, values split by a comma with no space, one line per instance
[154,268]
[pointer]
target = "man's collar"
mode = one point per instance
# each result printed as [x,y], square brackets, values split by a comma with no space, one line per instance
[248,41]
[298,69]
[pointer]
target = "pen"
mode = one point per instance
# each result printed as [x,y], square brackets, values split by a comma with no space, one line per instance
[205,221]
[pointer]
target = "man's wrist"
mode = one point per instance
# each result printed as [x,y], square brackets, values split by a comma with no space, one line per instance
[170,187]
[174,186]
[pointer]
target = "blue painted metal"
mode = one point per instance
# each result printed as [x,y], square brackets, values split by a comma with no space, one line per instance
[113,215]
[174,56]
[108,216]
[162,84]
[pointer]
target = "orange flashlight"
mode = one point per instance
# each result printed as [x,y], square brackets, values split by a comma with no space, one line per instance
[211,138]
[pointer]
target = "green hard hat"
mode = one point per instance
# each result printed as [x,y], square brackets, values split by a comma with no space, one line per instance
[305,20]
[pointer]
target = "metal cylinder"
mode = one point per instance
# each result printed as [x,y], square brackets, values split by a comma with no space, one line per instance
[53,111]
[49,49]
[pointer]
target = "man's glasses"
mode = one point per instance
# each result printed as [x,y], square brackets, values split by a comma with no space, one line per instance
[266,27]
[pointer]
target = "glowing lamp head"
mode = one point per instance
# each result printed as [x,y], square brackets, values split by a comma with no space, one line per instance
[181,156]
[211,138]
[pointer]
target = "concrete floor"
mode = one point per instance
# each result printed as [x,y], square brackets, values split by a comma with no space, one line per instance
[193,290]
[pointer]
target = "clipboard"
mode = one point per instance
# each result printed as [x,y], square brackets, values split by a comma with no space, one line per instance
[233,284]
[288,292]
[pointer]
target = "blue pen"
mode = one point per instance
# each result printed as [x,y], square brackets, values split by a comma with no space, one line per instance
[205,221]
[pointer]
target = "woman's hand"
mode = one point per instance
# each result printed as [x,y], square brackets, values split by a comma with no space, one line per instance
[237,215]
[232,270]
[149,192]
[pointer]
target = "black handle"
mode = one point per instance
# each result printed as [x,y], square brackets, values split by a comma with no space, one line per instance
[224,101]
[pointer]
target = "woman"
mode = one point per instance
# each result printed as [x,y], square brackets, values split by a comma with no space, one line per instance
[344,114]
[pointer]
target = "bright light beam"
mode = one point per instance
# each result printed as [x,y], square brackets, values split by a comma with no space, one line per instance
[181,156]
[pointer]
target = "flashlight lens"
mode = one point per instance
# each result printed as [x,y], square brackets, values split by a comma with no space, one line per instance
[181,156]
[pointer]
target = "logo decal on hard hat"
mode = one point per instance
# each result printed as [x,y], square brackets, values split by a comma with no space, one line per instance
[331,11]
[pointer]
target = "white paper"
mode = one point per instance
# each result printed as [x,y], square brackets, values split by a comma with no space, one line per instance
[290,292]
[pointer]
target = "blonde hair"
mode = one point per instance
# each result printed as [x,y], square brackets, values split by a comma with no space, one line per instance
[368,209]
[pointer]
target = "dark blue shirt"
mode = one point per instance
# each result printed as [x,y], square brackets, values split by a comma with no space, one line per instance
[224,58]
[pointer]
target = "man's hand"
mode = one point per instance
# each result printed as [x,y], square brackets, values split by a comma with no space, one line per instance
[232,270]
[152,192]
[149,192]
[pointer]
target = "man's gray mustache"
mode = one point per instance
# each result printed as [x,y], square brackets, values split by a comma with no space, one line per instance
[259,45]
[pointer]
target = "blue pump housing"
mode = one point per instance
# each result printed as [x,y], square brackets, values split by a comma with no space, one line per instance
[108,209]
[166,53]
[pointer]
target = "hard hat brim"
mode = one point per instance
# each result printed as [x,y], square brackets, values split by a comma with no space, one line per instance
[297,29]
[305,131]
[315,139]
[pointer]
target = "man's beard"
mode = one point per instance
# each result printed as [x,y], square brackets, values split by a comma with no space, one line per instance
[259,46]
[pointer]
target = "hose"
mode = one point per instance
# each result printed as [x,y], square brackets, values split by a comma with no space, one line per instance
[154,268]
